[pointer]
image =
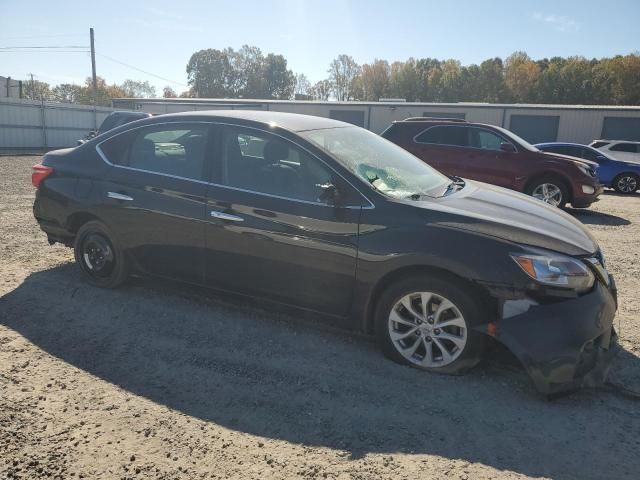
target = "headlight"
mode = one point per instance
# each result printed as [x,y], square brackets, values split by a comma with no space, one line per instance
[557,270]
[587,170]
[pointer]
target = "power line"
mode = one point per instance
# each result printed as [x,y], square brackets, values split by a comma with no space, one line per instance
[19,37]
[43,46]
[140,70]
[44,51]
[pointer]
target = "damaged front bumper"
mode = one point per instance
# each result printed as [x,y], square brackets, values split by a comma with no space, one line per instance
[564,344]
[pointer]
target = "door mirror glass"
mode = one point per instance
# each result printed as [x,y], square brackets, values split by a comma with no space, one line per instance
[507,147]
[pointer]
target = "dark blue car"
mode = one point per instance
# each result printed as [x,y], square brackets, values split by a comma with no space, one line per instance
[624,177]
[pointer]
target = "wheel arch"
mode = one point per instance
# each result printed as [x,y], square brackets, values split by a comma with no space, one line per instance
[77,219]
[402,272]
[551,173]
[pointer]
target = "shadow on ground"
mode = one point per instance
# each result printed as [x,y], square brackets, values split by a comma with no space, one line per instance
[593,217]
[270,375]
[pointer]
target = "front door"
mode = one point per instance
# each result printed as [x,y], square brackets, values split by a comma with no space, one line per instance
[286,239]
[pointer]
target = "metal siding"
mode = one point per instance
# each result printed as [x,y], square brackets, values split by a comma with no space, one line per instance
[21,123]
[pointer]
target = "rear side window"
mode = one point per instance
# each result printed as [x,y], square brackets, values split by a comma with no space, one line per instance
[624,147]
[566,150]
[589,154]
[178,150]
[445,135]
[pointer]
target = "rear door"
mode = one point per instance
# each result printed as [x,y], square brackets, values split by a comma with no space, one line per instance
[444,147]
[269,210]
[154,196]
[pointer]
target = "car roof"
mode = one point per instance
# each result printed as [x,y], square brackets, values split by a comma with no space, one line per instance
[294,122]
[561,144]
[612,141]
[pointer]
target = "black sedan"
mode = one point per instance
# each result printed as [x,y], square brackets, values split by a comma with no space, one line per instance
[329,217]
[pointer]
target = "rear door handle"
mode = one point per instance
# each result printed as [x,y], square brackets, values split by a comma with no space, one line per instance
[119,196]
[226,216]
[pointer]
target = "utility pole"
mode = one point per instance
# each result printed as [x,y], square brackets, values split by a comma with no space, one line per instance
[95,82]
[33,88]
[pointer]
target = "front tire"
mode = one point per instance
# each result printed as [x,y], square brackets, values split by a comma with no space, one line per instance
[99,257]
[626,183]
[550,189]
[427,323]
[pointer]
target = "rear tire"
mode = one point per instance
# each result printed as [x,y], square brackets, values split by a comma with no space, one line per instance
[626,183]
[550,189]
[427,323]
[99,257]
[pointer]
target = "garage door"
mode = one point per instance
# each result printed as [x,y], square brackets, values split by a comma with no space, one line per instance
[535,128]
[350,116]
[621,128]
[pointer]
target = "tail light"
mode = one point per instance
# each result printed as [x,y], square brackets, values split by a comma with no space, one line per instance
[39,173]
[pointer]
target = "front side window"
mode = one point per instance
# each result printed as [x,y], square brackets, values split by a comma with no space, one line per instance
[178,150]
[485,139]
[624,147]
[379,163]
[265,163]
[445,135]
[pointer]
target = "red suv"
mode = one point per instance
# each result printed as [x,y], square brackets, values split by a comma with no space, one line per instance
[491,154]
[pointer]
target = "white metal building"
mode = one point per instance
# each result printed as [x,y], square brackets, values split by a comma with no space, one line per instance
[535,123]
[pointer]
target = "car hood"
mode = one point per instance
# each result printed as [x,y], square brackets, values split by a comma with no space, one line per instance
[512,216]
[568,158]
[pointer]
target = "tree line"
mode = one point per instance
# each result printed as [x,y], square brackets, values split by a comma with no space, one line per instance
[248,73]
[518,78]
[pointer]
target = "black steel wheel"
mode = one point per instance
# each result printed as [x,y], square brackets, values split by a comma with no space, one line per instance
[98,256]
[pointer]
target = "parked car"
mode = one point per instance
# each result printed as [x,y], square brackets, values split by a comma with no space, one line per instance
[326,216]
[494,155]
[619,149]
[624,177]
[113,120]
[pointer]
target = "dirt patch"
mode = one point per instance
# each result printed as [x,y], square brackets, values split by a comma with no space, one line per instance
[159,380]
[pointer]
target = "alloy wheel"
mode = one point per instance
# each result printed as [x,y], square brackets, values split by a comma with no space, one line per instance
[627,184]
[548,193]
[427,329]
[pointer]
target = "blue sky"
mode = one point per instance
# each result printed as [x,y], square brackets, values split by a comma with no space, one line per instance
[159,36]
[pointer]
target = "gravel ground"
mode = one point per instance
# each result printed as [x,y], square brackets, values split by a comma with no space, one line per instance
[157,380]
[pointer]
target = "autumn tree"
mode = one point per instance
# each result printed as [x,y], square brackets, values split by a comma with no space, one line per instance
[302,85]
[245,73]
[36,90]
[67,93]
[375,80]
[521,76]
[168,92]
[342,73]
[138,89]
[321,90]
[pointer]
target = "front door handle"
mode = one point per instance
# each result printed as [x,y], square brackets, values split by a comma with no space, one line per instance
[226,216]
[119,196]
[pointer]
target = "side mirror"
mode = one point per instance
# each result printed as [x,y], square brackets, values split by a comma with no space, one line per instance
[601,158]
[330,193]
[507,147]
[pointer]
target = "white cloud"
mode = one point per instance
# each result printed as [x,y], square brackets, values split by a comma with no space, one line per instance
[559,23]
